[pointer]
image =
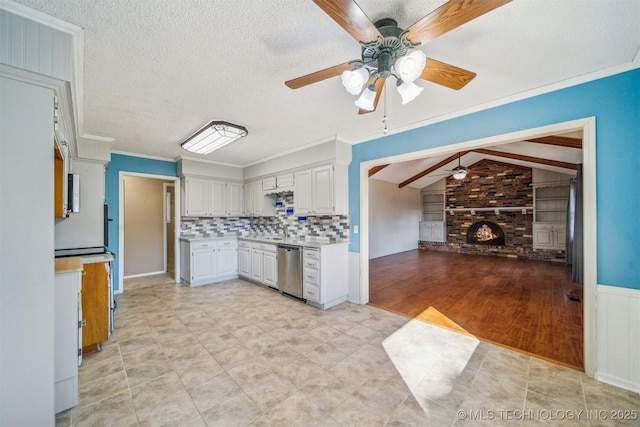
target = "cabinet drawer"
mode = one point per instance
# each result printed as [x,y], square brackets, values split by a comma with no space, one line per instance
[227,244]
[311,253]
[311,293]
[244,244]
[311,276]
[205,244]
[311,263]
[265,247]
[285,180]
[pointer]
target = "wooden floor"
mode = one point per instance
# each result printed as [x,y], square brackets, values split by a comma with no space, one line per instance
[520,304]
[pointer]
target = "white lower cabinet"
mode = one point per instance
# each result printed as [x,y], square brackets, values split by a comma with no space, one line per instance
[68,338]
[324,275]
[433,231]
[208,261]
[264,264]
[549,236]
[244,259]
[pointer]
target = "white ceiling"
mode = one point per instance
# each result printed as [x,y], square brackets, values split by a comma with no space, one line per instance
[157,70]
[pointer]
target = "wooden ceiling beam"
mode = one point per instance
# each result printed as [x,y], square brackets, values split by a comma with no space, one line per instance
[432,168]
[560,141]
[374,170]
[530,159]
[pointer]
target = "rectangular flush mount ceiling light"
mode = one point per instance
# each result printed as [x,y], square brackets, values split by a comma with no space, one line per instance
[214,135]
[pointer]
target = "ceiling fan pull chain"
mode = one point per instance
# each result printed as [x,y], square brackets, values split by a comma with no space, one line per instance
[385,131]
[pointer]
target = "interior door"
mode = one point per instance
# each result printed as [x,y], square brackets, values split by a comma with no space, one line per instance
[170,209]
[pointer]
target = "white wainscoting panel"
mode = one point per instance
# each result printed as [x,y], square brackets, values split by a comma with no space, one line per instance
[354,277]
[618,337]
[34,47]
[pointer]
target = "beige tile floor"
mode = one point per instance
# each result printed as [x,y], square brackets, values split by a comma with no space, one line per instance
[234,354]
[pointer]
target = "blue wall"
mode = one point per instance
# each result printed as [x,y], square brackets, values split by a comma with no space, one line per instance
[119,163]
[614,101]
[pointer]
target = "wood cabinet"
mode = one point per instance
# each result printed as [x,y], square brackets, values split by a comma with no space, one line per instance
[208,261]
[95,305]
[211,198]
[315,191]
[325,275]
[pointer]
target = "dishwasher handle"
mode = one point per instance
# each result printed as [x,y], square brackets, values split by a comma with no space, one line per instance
[290,247]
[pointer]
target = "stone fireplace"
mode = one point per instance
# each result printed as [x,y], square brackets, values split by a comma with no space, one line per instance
[485,233]
[493,200]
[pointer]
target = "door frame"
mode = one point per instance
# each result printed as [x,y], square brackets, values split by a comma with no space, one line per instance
[165,187]
[176,183]
[588,127]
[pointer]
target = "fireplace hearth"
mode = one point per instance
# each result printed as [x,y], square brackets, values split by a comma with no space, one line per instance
[485,233]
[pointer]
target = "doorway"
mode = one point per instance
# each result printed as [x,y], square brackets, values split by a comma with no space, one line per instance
[587,126]
[169,191]
[149,222]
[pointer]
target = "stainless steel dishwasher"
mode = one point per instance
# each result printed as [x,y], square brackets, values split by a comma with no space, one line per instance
[290,270]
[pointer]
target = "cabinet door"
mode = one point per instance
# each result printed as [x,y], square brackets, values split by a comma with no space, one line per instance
[95,304]
[302,194]
[218,202]
[234,199]
[560,236]
[258,199]
[322,191]
[244,262]
[227,262]
[256,266]
[248,200]
[270,276]
[203,264]
[542,237]
[437,232]
[196,197]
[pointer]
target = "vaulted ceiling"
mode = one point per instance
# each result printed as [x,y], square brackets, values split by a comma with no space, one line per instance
[157,70]
[558,153]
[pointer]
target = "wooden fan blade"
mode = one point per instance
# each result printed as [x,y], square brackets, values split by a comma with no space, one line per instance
[446,75]
[449,16]
[327,73]
[350,17]
[379,87]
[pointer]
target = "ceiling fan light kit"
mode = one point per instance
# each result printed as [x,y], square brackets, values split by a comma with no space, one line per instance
[387,50]
[354,80]
[367,98]
[213,136]
[408,91]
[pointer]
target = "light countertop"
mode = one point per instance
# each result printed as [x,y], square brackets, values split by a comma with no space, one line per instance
[68,265]
[307,242]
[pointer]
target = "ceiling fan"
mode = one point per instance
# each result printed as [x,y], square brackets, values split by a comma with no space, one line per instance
[388,50]
[460,172]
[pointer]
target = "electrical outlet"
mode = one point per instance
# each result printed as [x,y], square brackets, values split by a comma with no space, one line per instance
[355,229]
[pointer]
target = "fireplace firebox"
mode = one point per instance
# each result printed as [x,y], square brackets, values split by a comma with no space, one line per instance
[485,233]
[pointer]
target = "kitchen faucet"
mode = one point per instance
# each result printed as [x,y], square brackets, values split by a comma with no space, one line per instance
[284,230]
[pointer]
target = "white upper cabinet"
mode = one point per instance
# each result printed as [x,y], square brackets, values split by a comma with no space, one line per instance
[318,193]
[210,198]
[196,193]
[322,190]
[302,195]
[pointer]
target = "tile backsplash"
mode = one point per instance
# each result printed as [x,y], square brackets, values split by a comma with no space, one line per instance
[333,228]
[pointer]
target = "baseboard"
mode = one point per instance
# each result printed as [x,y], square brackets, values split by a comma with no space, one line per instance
[153,273]
[618,382]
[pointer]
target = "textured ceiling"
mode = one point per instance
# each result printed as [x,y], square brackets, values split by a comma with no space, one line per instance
[157,70]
